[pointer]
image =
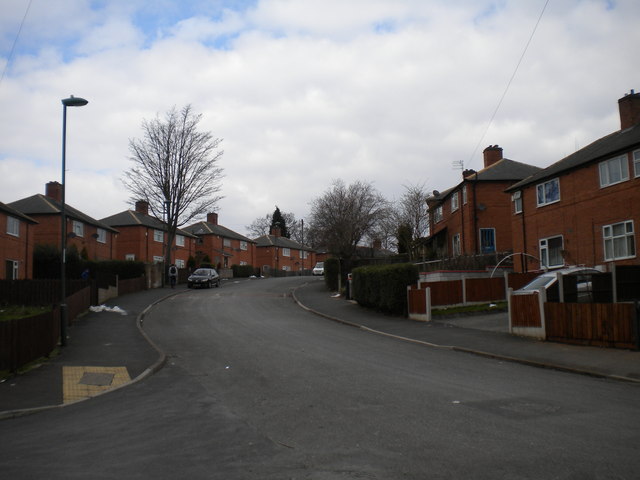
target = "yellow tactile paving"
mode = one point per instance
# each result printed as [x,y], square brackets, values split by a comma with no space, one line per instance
[74,389]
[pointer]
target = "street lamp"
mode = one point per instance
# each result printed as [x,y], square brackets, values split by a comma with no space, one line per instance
[66,102]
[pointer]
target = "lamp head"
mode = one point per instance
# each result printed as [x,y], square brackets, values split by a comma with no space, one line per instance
[74,101]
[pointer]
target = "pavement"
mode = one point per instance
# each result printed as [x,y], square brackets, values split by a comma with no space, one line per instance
[108,349]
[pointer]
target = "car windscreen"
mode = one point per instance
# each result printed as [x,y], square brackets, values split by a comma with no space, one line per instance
[201,271]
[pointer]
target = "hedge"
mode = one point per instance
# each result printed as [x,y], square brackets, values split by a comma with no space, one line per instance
[384,287]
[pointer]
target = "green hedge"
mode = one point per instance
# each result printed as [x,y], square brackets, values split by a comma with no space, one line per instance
[243,271]
[384,287]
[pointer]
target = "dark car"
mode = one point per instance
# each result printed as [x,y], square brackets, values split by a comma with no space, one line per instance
[203,277]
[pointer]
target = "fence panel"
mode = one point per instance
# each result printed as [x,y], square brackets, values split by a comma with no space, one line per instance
[519,280]
[445,293]
[131,285]
[525,311]
[26,339]
[417,300]
[601,324]
[484,289]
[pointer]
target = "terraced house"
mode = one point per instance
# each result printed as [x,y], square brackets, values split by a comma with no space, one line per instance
[222,246]
[585,208]
[16,244]
[92,238]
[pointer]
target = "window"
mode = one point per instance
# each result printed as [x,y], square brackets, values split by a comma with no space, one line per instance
[130,256]
[437,214]
[102,235]
[549,192]
[619,241]
[226,242]
[516,198]
[179,263]
[286,252]
[304,254]
[454,202]
[456,245]
[13,226]
[157,259]
[78,228]
[614,170]
[551,252]
[464,195]
[158,236]
[242,262]
[286,268]
[179,243]
[243,245]
[487,240]
[636,162]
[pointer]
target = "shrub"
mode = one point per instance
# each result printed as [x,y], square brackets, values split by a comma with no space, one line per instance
[243,271]
[384,287]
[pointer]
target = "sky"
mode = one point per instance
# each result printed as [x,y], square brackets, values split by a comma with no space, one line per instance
[305,92]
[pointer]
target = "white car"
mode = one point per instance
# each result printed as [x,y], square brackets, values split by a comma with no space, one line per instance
[319,269]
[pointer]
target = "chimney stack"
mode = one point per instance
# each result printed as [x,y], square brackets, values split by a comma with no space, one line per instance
[629,107]
[492,154]
[54,190]
[142,207]
[276,232]
[212,218]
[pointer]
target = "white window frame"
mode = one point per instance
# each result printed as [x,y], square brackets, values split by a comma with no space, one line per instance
[541,188]
[516,198]
[179,263]
[179,243]
[101,236]
[13,226]
[544,251]
[437,214]
[614,241]
[464,195]
[616,167]
[286,268]
[158,259]
[455,245]
[130,257]
[636,163]
[226,242]
[15,269]
[78,228]
[158,236]
[286,252]
[455,202]
[304,254]
[243,245]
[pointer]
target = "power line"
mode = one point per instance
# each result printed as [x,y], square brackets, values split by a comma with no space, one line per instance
[15,41]
[504,94]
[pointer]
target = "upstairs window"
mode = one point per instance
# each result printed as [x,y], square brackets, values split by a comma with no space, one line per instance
[243,245]
[78,228]
[454,202]
[286,252]
[636,162]
[437,214]
[226,242]
[180,242]
[13,226]
[516,198]
[548,192]
[158,236]
[101,235]
[464,195]
[619,241]
[614,170]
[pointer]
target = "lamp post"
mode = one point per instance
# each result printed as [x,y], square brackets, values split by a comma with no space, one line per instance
[66,102]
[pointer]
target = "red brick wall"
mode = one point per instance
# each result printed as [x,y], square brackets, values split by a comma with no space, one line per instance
[139,241]
[584,208]
[18,249]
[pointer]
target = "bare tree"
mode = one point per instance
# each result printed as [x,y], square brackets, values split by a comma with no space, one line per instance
[412,215]
[344,215]
[175,169]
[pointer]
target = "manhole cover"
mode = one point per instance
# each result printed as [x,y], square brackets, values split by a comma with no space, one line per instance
[97,379]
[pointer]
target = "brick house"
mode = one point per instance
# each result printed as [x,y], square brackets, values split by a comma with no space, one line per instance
[473,217]
[91,237]
[223,246]
[143,237]
[16,244]
[275,252]
[585,208]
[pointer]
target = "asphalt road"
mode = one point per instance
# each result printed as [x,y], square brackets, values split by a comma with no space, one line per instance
[257,388]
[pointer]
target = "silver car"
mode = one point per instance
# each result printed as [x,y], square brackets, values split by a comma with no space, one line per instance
[203,277]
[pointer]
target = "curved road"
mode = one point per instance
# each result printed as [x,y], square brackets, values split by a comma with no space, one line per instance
[257,388]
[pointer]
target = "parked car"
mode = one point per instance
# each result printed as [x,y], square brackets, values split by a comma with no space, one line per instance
[549,281]
[319,269]
[203,277]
